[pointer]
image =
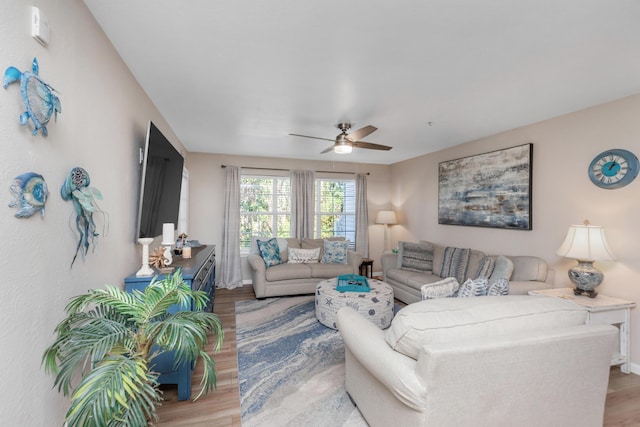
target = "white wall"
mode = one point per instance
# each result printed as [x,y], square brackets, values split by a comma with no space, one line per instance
[562,195]
[102,125]
[207,193]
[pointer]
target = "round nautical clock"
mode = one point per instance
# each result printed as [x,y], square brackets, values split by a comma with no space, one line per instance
[614,168]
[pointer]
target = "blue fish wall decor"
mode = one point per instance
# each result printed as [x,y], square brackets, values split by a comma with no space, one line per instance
[30,192]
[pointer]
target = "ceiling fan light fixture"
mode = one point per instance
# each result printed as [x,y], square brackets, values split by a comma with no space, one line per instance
[343,149]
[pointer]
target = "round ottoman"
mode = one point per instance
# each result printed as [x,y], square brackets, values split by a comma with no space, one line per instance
[376,305]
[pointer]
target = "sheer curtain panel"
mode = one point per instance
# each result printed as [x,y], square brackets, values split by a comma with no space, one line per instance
[230,268]
[362,216]
[302,192]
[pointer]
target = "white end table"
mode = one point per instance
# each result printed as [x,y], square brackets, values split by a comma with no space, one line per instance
[603,310]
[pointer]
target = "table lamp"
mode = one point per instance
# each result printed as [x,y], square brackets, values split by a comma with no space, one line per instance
[387,218]
[586,243]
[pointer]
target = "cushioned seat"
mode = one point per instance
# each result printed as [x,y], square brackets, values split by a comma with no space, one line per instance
[288,271]
[326,271]
[491,361]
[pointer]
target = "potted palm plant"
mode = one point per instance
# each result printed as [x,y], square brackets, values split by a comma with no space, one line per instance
[108,342]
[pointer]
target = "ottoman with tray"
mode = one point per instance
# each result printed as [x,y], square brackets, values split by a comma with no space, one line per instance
[375,305]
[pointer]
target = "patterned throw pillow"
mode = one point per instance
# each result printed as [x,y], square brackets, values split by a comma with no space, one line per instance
[335,252]
[415,256]
[303,256]
[455,263]
[499,287]
[473,288]
[270,252]
[441,289]
[486,268]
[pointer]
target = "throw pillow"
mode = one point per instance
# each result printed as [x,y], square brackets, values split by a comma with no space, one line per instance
[300,256]
[455,262]
[335,252]
[503,269]
[441,289]
[253,249]
[486,268]
[270,252]
[473,288]
[498,288]
[415,256]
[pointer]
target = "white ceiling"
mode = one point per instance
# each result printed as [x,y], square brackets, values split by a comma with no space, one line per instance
[237,76]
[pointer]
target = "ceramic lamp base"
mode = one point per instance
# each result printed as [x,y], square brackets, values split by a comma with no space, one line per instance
[586,278]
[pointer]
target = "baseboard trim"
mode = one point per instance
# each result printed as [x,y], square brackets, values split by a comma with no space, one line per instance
[634,368]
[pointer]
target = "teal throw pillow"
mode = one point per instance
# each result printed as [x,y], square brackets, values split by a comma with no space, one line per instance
[335,252]
[270,252]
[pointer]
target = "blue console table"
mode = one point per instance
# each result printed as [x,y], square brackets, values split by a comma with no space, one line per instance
[199,272]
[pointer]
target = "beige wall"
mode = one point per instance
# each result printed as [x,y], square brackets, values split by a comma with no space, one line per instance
[562,195]
[206,192]
[102,125]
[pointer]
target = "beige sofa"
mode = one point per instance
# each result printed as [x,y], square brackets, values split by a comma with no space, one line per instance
[494,361]
[420,263]
[293,279]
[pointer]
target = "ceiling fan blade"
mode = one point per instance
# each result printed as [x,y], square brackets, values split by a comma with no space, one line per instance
[361,133]
[370,146]
[327,149]
[312,137]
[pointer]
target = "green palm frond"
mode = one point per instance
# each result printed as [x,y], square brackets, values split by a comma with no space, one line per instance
[107,339]
[118,391]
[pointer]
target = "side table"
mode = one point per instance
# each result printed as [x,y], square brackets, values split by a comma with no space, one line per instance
[603,310]
[367,267]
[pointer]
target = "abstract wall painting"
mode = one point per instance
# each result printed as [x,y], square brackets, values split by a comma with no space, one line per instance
[487,190]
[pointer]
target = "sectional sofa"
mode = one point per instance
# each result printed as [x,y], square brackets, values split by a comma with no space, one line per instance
[420,263]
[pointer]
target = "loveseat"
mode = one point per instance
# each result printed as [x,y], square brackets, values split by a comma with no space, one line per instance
[510,360]
[424,262]
[293,278]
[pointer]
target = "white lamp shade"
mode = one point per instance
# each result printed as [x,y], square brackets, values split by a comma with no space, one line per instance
[586,243]
[386,217]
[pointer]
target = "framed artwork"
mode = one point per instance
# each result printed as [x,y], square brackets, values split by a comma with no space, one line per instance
[487,190]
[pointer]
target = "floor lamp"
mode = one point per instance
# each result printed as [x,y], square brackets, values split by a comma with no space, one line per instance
[387,218]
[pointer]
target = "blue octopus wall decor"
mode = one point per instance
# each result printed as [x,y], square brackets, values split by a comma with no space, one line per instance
[37,95]
[30,192]
[76,188]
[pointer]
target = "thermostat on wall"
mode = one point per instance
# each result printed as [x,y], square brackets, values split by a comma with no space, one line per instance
[39,26]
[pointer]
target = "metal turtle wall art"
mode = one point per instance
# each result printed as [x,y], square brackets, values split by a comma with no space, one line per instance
[37,95]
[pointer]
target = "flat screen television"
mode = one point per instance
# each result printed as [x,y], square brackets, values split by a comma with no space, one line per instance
[160,184]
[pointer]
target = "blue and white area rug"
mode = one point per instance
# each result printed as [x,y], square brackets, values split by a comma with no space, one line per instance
[290,367]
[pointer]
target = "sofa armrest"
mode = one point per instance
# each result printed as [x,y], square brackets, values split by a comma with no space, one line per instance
[388,261]
[354,259]
[395,370]
[258,275]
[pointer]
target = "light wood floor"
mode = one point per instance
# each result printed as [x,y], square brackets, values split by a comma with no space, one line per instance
[222,407]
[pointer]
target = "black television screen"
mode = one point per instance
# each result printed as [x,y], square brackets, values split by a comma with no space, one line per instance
[160,186]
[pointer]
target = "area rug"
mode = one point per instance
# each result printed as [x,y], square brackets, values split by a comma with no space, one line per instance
[290,367]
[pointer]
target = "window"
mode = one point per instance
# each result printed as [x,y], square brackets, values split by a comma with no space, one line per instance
[335,209]
[265,208]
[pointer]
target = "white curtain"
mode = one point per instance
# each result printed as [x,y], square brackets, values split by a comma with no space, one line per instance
[362,216]
[302,193]
[230,268]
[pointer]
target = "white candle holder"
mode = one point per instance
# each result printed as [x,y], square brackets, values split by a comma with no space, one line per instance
[145,270]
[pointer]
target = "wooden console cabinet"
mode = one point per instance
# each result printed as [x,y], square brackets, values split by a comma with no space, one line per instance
[199,272]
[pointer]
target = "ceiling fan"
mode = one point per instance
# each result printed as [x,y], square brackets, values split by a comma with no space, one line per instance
[344,143]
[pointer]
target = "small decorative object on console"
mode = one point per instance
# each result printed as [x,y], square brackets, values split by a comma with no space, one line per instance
[352,283]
